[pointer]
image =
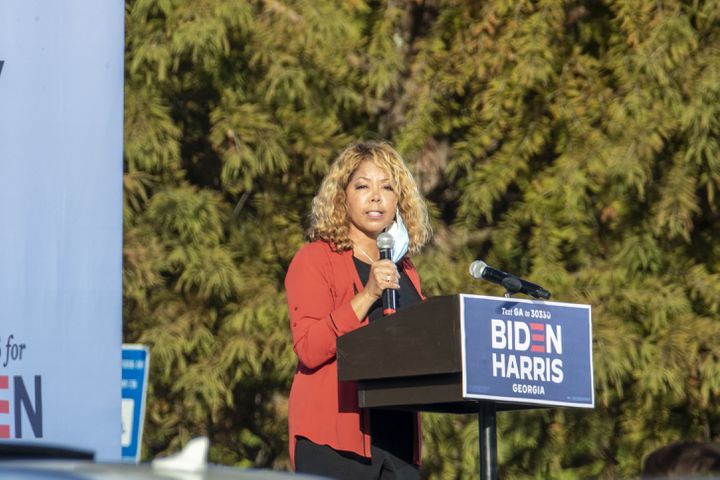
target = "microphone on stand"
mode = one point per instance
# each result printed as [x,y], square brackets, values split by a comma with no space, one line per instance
[385,244]
[513,284]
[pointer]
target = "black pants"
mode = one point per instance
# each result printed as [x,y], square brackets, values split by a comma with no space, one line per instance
[325,461]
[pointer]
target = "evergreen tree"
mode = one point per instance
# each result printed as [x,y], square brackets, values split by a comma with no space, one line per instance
[572,143]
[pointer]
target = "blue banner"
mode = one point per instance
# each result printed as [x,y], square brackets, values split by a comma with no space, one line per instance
[527,351]
[135,368]
[61,168]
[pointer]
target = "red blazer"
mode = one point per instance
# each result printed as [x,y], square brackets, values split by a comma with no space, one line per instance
[320,284]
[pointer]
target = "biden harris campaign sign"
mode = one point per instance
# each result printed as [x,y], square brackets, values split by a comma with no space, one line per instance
[527,351]
[61,86]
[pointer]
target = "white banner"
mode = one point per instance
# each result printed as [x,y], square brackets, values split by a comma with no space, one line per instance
[61,88]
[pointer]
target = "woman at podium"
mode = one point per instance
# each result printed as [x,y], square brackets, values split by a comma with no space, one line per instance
[334,285]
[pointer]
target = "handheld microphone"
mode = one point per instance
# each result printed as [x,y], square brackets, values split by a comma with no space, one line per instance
[385,243]
[513,284]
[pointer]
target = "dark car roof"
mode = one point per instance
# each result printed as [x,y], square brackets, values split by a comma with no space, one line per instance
[87,470]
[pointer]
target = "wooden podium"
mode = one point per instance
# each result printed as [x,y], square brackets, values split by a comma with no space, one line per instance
[413,360]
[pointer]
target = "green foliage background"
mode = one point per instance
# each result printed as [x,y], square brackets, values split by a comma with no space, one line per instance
[572,142]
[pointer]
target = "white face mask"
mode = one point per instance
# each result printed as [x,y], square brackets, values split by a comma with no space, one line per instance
[400,238]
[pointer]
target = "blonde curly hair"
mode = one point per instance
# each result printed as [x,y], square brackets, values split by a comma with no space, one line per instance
[329,216]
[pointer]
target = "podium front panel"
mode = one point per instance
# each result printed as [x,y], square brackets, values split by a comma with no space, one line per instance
[527,351]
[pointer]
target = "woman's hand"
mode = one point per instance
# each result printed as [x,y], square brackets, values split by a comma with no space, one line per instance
[383,274]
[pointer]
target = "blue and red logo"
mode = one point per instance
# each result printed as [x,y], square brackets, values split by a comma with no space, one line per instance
[526,351]
[16,400]
[516,345]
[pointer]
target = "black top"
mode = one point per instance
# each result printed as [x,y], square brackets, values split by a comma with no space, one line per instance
[406,296]
[391,430]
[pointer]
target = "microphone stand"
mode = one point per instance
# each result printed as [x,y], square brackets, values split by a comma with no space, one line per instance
[512,285]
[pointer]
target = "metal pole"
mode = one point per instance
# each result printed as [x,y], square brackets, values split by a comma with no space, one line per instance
[488,441]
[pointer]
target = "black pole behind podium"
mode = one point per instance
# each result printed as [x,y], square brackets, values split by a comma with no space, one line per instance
[487,432]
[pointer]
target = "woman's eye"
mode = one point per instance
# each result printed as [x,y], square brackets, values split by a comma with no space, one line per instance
[360,186]
[388,187]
